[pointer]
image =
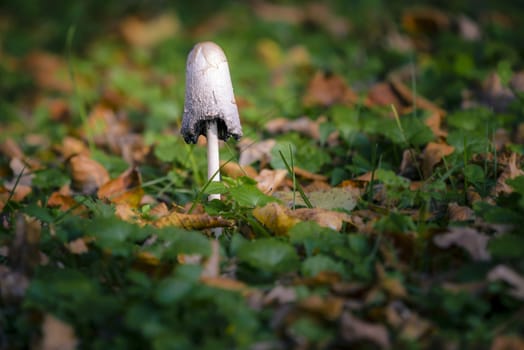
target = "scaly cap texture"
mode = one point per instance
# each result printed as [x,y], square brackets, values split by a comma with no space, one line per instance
[209,94]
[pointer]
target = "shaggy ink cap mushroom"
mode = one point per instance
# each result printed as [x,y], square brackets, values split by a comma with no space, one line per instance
[209,94]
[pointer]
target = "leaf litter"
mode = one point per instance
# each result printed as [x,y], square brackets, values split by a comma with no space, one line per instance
[374,202]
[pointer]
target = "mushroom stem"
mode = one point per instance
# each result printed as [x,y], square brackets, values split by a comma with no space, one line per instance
[213,159]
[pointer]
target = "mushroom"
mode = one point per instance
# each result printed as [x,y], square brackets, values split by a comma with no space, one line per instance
[209,107]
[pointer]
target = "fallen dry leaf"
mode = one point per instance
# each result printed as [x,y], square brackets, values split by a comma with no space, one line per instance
[126,188]
[323,217]
[510,171]
[148,33]
[329,307]
[474,242]
[77,246]
[192,221]
[251,152]
[235,170]
[65,203]
[411,97]
[72,146]
[268,181]
[494,94]
[506,274]
[226,284]
[280,295]
[303,125]
[326,89]
[424,20]
[432,155]
[507,342]
[49,71]
[275,217]
[87,174]
[353,330]
[57,335]
[459,212]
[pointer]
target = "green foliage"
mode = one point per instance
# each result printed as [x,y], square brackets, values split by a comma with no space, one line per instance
[269,254]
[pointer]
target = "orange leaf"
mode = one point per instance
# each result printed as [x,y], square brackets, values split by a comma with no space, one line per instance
[432,155]
[87,174]
[65,203]
[124,189]
[225,283]
[328,89]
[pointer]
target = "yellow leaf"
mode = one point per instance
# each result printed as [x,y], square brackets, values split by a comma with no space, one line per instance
[276,218]
[192,221]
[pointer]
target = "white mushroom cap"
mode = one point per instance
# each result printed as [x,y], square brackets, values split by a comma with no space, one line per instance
[209,94]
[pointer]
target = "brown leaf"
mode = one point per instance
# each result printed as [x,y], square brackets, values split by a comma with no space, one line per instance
[327,89]
[411,98]
[309,175]
[459,212]
[326,218]
[424,20]
[432,155]
[124,189]
[192,221]
[57,335]
[383,94]
[303,125]
[355,330]
[474,242]
[72,146]
[145,34]
[87,174]
[268,181]
[506,274]
[511,171]
[49,71]
[409,323]
[226,284]
[275,217]
[77,246]
[329,307]
[255,151]
[235,170]
[507,342]
[65,203]
[392,285]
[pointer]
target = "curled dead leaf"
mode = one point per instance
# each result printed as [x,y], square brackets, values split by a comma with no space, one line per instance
[192,221]
[87,174]
[57,335]
[460,213]
[329,308]
[511,171]
[226,284]
[65,203]
[327,89]
[235,170]
[126,188]
[474,242]
[506,274]
[268,181]
[432,155]
[354,330]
